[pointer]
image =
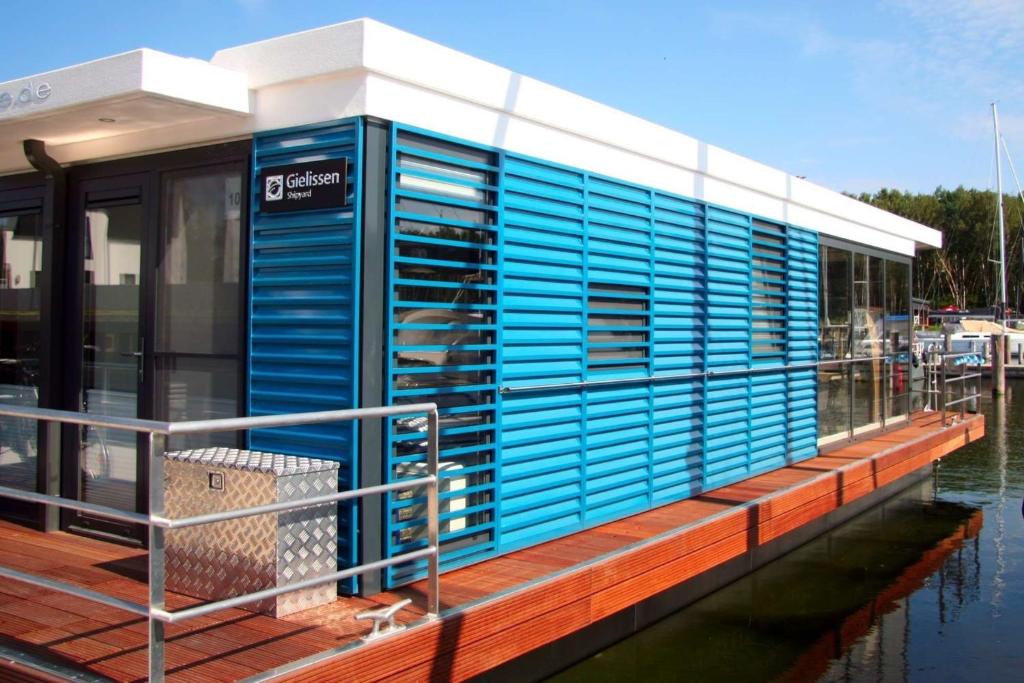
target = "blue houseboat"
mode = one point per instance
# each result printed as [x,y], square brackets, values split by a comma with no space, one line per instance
[611,315]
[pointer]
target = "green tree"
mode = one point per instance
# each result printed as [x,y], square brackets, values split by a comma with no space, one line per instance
[962,271]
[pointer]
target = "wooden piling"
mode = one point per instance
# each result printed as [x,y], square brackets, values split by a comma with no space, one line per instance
[999,364]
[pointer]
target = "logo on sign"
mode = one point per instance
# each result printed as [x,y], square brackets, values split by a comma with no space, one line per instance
[275,188]
[305,186]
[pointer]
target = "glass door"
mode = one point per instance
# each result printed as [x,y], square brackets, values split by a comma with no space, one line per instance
[110,362]
[199,301]
[155,323]
[835,379]
[869,338]
[21,256]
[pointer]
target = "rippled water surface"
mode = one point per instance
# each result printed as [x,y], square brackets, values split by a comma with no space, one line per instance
[928,586]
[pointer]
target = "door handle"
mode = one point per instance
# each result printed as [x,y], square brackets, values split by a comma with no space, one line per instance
[138,355]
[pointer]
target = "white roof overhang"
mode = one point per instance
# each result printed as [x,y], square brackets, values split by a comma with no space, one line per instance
[363,67]
[414,81]
[131,93]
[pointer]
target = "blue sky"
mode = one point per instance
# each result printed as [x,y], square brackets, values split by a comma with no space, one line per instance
[854,95]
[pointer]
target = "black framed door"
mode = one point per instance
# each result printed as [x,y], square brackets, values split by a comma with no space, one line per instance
[111,258]
[124,296]
[160,254]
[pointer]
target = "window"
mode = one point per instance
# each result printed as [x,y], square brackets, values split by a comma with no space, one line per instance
[834,343]
[198,300]
[21,253]
[618,327]
[444,294]
[863,325]
[768,292]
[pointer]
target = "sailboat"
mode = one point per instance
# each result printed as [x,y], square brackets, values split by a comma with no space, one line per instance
[975,338]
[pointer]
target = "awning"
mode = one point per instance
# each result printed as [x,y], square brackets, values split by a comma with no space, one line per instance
[138,91]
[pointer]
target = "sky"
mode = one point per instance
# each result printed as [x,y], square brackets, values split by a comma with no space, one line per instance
[855,95]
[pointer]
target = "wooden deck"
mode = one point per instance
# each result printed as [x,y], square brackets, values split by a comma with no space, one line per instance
[497,610]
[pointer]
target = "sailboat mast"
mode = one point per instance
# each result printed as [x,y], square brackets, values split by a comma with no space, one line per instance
[999,212]
[1020,193]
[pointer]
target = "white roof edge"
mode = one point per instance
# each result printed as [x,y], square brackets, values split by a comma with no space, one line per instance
[137,72]
[366,44]
[409,58]
[550,122]
[298,56]
[196,81]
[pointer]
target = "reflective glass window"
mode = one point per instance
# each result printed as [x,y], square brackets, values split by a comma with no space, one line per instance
[834,330]
[198,307]
[898,339]
[21,262]
[868,341]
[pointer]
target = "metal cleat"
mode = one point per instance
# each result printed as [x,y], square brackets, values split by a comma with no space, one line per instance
[384,616]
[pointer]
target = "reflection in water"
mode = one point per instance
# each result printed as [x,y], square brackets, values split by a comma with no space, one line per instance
[998,432]
[929,586]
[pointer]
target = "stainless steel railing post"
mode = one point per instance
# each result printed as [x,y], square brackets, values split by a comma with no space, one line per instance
[51,430]
[154,440]
[942,396]
[433,514]
[157,569]
[963,389]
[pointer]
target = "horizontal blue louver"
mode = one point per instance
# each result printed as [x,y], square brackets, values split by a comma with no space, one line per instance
[304,321]
[802,320]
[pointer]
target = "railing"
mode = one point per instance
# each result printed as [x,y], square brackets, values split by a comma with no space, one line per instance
[678,377]
[962,360]
[155,612]
[933,360]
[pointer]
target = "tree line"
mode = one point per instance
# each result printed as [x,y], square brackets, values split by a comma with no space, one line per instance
[965,271]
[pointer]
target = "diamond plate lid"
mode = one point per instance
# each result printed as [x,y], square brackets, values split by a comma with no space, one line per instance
[253,461]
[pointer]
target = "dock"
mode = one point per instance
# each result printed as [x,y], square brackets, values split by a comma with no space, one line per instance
[522,614]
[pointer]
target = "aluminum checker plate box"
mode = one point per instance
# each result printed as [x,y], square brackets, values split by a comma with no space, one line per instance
[226,559]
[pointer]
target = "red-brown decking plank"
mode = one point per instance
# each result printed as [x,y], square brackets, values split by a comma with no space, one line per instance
[498,648]
[39,614]
[70,644]
[514,616]
[111,634]
[11,625]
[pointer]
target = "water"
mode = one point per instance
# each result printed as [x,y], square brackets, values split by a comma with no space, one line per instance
[926,587]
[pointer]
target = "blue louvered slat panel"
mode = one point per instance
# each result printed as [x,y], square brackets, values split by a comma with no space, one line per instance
[543,342]
[620,277]
[769,345]
[303,342]
[678,335]
[442,343]
[802,321]
[727,399]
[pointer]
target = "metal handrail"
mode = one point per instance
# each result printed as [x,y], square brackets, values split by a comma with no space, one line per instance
[963,398]
[158,524]
[651,379]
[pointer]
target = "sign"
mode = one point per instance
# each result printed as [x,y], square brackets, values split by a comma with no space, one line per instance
[30,93]
[305,186]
